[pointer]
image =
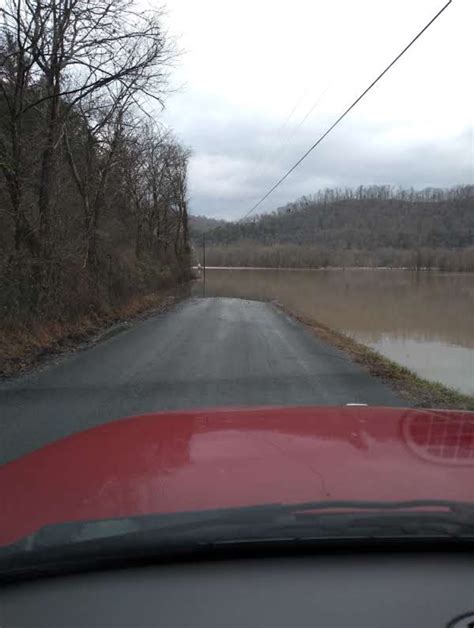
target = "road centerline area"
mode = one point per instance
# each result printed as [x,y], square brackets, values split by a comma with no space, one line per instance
[205,353]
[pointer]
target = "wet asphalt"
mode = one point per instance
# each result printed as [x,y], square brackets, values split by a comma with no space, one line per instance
[203,353]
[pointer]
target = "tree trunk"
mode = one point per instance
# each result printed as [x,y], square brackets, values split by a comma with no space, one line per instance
[46,178]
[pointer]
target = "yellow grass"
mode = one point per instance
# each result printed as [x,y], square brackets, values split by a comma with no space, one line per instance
[24,345]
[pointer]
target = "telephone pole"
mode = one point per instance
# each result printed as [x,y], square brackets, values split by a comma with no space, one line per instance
[203,264]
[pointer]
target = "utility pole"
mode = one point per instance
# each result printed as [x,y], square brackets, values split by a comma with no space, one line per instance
[203,264]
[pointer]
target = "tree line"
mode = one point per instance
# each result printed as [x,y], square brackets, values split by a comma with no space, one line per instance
[93,198]
[365,226]
[249,254]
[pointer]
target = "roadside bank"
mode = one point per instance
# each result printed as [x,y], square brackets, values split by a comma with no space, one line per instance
[416,390]
[24,347]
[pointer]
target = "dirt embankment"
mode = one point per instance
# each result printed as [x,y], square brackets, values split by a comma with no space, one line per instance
[23,347]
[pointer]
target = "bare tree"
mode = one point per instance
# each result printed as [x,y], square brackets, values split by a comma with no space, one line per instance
[18,58]
[86,177]
[78,48]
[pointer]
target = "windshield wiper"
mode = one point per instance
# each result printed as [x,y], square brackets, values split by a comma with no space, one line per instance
[76,545]
[460,513]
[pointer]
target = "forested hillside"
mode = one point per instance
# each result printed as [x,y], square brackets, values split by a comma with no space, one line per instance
[202,224]
[92,190]
[365,226]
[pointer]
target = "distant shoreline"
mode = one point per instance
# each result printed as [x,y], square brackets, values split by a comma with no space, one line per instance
[343,268]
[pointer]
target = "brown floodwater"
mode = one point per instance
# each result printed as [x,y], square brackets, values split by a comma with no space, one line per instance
[424,320]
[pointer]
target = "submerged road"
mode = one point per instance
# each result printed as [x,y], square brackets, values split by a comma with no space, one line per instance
[205,352]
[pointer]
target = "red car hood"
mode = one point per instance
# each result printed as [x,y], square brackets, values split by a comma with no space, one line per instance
[195,460]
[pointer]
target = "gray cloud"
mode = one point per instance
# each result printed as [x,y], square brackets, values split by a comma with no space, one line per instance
[236,159]
[414,129]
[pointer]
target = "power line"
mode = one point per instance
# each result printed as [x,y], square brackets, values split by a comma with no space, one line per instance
[312,109]
[260,166]
[344,114]
[290,115]
[287,141]
[288,136]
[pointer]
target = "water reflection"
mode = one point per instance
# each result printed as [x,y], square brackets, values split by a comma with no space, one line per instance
[437,361]
[424,321]
[198,460]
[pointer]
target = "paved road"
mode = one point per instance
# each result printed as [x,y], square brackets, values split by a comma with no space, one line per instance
[206,352]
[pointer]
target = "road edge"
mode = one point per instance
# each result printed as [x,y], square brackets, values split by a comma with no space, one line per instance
[43,344]
[419,392]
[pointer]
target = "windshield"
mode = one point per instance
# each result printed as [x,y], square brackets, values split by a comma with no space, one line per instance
[236,275]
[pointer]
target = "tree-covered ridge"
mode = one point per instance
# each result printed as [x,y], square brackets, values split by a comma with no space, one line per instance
[202,224]
[364,218]
[367,226]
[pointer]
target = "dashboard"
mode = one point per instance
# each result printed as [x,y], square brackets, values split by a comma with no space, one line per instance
[328,591]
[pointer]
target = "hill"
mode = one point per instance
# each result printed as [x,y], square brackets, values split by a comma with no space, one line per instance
[374,225]
[202,224]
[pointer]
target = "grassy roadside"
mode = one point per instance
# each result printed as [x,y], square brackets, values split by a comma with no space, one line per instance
[23,347]
[416,390]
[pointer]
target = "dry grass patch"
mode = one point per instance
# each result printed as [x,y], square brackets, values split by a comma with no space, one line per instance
[24,345]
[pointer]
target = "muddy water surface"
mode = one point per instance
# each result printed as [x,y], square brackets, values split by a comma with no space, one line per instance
[424,321]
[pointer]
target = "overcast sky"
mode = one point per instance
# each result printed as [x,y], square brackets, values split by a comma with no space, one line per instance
[254,69]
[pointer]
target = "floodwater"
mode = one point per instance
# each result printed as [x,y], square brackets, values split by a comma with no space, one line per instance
[423,320]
